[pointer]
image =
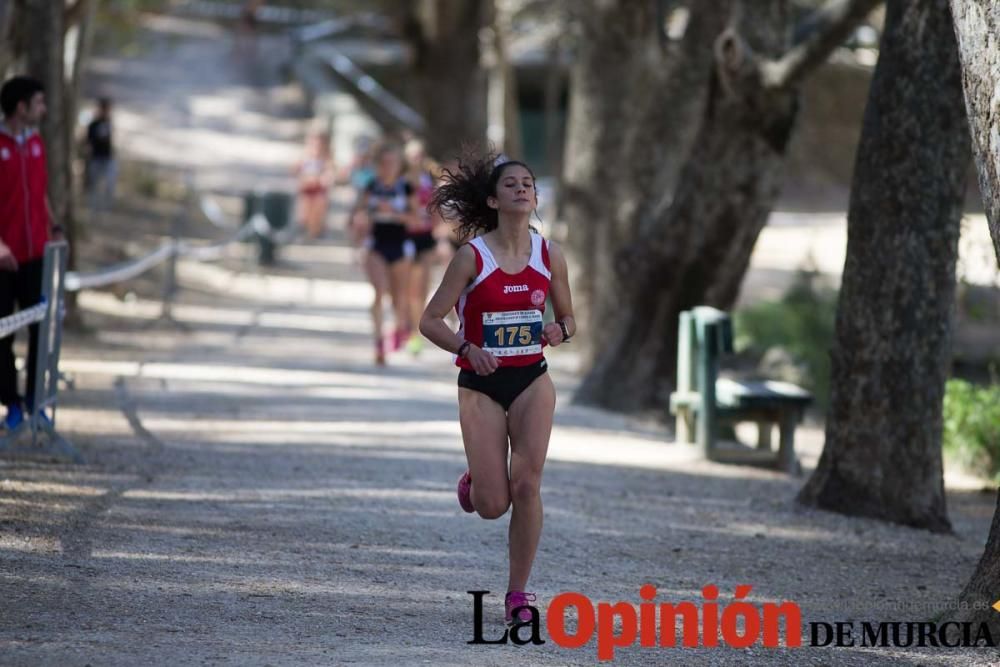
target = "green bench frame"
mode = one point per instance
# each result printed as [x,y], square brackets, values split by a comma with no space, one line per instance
[704,403]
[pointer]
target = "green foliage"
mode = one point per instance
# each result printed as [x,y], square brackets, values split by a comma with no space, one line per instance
[972,427]
[801,324]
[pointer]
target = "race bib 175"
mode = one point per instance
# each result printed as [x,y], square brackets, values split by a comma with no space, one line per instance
[513,333]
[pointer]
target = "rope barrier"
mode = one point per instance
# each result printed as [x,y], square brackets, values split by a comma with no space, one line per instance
[258,225]
[115,274]
[50,312]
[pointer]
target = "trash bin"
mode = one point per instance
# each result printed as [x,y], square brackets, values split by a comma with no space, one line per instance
[269,213]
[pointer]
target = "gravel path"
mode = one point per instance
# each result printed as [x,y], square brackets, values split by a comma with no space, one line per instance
[256,493]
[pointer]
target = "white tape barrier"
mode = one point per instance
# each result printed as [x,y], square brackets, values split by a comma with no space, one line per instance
[23,318]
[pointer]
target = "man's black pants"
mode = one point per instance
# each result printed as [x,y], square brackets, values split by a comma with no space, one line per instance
[23,289]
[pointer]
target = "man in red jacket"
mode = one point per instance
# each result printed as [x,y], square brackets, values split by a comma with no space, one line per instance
[25,225]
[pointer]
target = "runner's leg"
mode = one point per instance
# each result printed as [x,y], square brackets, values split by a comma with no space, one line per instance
[530,424]
[378,275]
[484,432]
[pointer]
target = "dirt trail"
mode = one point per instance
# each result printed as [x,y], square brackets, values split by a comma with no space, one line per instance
[256,493]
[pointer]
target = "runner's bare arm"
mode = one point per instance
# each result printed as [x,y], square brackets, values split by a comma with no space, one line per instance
[562,301]
[460,272]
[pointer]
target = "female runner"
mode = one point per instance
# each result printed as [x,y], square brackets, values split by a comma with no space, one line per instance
[500,280]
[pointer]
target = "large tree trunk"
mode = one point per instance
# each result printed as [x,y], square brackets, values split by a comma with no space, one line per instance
[6,36]
[11,38]
[698,253]
[677,76]
[694,248]
[891,355]
[44,21]
[554,84]
[977,25]
[503,115]
[983,590]
[451,84]
[83,18]
[606,73]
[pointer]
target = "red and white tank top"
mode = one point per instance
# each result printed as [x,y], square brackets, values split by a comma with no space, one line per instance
[502,312]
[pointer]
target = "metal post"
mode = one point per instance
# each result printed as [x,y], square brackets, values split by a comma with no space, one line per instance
[49,346]
[708,370]
[170,281]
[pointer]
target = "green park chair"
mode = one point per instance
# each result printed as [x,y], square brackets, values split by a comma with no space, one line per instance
[706,405]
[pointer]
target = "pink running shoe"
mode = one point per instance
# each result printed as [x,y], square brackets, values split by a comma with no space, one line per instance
[399,338]
[465,492]
[512,601]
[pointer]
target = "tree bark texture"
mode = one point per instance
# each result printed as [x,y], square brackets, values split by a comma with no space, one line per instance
[983,589]
[891,355]
[697,253]
[83,18]
[669,106]
[44,20]
[554,82]
[604,74]
[977,26]
[11,37]
[693,245]
[451,83]
[503,83]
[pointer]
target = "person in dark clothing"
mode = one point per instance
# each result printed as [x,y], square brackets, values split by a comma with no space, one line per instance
[102,170]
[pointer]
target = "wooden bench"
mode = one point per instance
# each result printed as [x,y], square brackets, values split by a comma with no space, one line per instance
[705,404]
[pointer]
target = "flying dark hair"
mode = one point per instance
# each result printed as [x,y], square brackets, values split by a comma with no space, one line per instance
[462,195]
[16,90]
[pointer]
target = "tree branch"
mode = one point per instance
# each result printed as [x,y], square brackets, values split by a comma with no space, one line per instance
[836,20]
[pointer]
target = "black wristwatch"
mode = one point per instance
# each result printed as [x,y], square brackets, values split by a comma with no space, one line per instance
[463,348]
[565,331]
